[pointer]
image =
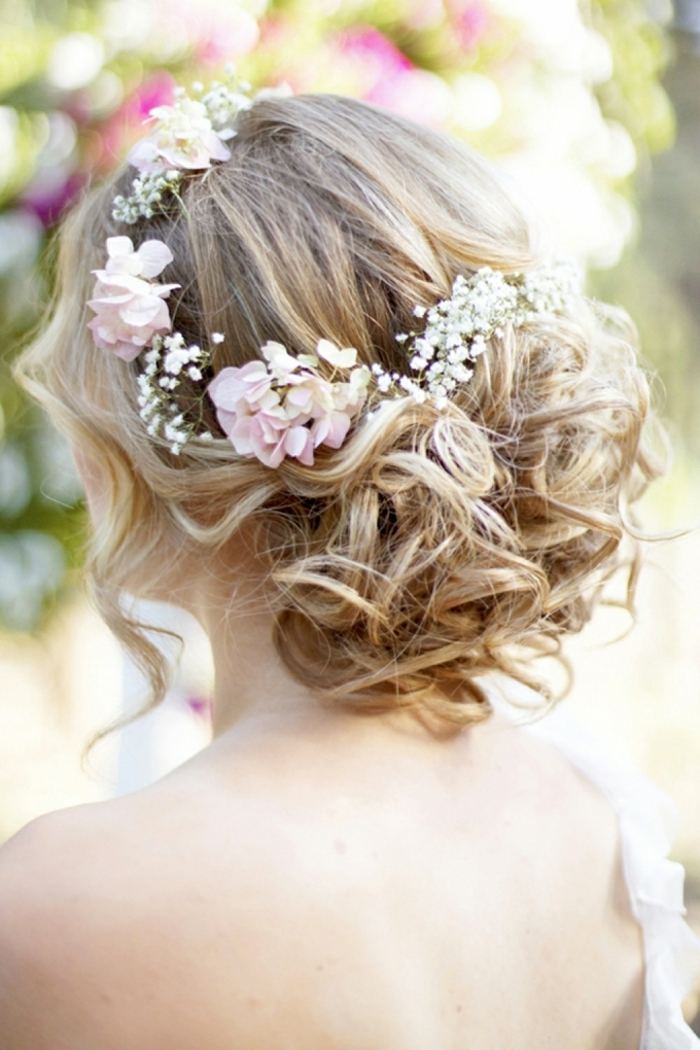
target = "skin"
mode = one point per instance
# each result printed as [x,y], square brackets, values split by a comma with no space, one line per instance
[315,880]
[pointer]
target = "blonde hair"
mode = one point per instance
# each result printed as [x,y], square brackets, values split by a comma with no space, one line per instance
[431,548]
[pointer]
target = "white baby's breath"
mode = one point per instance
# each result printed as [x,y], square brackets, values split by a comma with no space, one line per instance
[147,193]
[459,327]
[158,384]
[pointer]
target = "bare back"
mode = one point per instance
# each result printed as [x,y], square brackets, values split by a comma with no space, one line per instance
[363,896]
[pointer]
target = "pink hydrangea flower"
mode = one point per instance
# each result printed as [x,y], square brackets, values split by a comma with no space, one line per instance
[182,138]
[271,435]
[129,306]
[265,408]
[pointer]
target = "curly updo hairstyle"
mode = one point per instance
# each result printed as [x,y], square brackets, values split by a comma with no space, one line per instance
[431,548]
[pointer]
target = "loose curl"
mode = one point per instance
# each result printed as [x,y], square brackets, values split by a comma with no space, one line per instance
[432,548]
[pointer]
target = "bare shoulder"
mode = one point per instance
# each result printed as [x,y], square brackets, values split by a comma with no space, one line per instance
[104,907]
[48,874]
[45,859]
[263,886]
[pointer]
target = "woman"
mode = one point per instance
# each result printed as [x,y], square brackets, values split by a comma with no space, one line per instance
[327,398]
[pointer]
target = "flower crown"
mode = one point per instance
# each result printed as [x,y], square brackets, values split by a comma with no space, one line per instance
[283,405]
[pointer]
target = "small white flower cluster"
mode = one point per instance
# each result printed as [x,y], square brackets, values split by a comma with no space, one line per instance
[551,288]
[224,101]
[458,328]
[146,195]
[167,360]
[188,135]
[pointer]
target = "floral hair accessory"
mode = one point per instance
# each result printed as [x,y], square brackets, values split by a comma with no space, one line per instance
[283,405]
[265,408]
[187,136]
[458,328]
[279,405]
[166,364]
[129,305]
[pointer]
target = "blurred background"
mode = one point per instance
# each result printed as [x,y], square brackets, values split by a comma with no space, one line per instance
[592,109]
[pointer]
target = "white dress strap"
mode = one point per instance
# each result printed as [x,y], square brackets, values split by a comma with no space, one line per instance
[647,818]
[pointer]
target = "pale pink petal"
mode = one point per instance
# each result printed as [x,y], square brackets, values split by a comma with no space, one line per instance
[117,246]
[300,397]
[306,456]
[268,450]
[163,290]
[344,358]
[141,310]
[128,282]
[233,384]
[270,425]
[296,440]
[219,389]
[193,160]
[215,146]
[227,420]
[265,400]
[104,302]
[309,394]
[126,351]
[241,436]
[105,339]
[256,389]
[161,322]
[299,443]
[281,361]
[319,429]
[154,256]
[99,332]
[144,156]
[332,429]
[271,457]
[340,424]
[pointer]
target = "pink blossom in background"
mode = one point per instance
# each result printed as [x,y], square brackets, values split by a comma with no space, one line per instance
[388,78]
[126,123]
[417,94]
[51,192]
[275,30]
[226,38]
[214,33]
[470,20]
[157,90]
[379,57]
[425,14]
[79,108]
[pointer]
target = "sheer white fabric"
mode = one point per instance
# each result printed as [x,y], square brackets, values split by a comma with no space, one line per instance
[647,819]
